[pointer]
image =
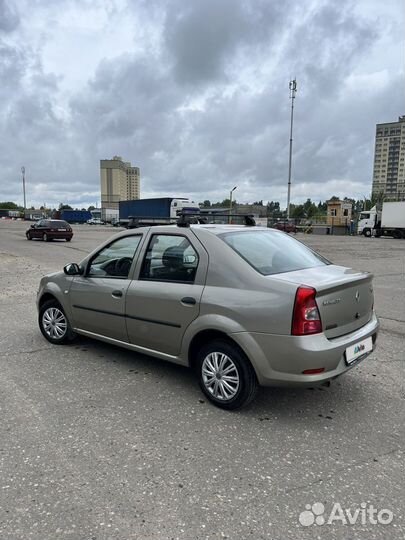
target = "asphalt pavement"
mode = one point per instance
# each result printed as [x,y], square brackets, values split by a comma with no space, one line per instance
[100,443]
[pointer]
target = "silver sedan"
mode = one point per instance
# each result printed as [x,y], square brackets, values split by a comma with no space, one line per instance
[242,306]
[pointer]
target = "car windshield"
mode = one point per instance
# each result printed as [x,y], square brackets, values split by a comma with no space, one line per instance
[271,252]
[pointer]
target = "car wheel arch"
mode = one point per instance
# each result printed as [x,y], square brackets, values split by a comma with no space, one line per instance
[45,298]
[205,336]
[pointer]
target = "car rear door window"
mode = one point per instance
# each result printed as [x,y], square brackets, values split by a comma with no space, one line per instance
[115,260]
[272,252]
[56,224]
[170,258]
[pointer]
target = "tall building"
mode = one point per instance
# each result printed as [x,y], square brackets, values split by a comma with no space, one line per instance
[389,159]
[119,180]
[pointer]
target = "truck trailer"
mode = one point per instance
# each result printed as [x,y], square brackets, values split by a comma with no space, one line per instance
[160,211]
[389,221]
[75,216]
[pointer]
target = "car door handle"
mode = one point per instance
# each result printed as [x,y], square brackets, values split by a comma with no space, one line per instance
[189,300]
[116,294]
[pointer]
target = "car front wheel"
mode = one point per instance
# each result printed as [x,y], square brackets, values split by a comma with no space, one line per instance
[54,324]
[28,236]
[225,375]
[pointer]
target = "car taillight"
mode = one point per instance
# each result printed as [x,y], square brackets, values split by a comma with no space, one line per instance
[306,318]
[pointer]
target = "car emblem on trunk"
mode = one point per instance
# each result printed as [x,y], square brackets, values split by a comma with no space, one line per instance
[357,296]
[331,302]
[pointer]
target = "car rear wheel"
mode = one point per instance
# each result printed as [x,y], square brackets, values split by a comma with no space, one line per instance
[68,239]
[54,324]
[225,375]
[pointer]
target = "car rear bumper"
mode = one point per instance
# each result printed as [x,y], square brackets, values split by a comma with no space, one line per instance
[62,235]
[280,360]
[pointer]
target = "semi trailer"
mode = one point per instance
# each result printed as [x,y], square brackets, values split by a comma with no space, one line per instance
[160,211]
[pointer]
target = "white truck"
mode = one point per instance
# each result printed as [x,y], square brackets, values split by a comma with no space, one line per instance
[390,221]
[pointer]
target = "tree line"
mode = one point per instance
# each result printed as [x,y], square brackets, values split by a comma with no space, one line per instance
[307,209]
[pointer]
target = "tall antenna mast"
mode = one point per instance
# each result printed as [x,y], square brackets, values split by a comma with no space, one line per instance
[23,181]
[293,90]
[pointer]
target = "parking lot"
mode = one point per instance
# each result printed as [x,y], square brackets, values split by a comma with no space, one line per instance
[100,443]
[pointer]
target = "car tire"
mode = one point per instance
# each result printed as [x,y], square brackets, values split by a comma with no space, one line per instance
[367,233]
[236,372]
[68,239]
[45,238]
[54,324]
[29,237]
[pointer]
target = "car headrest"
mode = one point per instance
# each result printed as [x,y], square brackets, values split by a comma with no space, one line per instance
[173,257]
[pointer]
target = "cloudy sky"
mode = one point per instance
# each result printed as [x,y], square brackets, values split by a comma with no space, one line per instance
[195,93]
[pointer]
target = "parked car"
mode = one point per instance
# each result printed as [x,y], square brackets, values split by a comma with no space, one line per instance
[243,306]
[50,229]
[95,221]
[286,225]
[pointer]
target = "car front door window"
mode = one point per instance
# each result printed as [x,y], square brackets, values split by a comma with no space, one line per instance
[115,260]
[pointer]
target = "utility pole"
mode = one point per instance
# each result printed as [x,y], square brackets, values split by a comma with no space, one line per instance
[230,203]
[23,181]
[293,90]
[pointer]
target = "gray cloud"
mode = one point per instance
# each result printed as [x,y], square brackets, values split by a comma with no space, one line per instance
[204,37]
[9,19]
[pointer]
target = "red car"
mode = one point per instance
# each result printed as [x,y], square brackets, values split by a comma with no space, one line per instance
[50,229]
[286,226]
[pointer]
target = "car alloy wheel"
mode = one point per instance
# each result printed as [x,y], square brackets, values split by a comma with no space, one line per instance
[45,237]
[225,374]
[28,236]
[220,376]
[54,324]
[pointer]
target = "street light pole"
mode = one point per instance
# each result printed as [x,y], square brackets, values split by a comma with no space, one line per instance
[293,90]
[230,203]
[23,181]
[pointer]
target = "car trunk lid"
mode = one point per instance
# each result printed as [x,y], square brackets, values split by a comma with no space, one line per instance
[344,296]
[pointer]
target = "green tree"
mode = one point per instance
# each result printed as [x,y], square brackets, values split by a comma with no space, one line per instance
[65,207]
[273,209]
[309,208]
[298,211]
[8,205]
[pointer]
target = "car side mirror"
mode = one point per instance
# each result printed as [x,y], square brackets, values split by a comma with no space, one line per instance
[73,269]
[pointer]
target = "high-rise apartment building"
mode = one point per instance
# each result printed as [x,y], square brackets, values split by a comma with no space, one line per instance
[389,161]
[119,180]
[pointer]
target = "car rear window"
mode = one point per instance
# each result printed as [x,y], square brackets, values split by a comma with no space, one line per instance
[271,252]
[59,224]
